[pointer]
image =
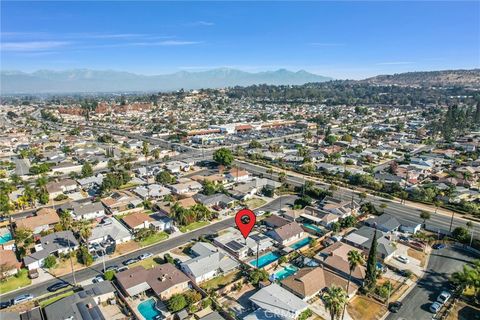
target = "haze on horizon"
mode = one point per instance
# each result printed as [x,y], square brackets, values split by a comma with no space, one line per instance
[337,39]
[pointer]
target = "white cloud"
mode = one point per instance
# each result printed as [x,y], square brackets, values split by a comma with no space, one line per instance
[32,45]
[201,23]
[166,43]
[326,44]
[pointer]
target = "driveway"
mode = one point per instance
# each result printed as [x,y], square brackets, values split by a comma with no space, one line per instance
[441,265]
[413,265]
[278,203]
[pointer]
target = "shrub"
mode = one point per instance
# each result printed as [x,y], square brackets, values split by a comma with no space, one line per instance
[50,262]
[176,303]
[109,275]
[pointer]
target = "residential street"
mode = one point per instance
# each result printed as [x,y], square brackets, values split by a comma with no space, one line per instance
[441,265]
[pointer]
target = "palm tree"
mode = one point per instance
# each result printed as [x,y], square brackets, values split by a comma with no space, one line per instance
[437,203]
[425,215]
[470,228]
[335,298]
[66,221]
[83,228]
[29,195]
[355,259]
[15,179]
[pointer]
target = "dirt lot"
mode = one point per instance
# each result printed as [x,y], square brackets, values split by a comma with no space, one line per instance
[126,247]
[420,256]
[463,311]
[363,308]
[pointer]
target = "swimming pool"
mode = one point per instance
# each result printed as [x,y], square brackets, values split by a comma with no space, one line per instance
[265,259]
[300,244]
[4,238]
[148,310]
[285,272]
[313,227]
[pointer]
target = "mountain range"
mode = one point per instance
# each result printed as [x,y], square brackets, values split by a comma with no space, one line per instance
[86,80]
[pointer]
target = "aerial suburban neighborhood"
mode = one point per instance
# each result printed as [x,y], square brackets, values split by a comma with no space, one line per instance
[223,194]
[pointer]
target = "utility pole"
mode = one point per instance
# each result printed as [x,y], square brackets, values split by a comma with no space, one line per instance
[71,263]
[451,221]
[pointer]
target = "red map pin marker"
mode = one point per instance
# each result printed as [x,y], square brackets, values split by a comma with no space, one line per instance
[245,220]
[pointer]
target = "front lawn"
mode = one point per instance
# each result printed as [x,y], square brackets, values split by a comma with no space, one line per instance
[148,263]
[363,308]
[45,303]
[18,281]
[194,225]
[220,281]
[254,203]
[154,238]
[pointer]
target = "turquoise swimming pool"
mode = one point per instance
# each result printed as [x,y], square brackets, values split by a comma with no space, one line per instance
[300,244]
[265,259]
[148,310]
[313,227]
[4,238]
[285,272]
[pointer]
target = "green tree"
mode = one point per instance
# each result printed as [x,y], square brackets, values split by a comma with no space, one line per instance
[223,156]
[371,274]
[109,275]
[165,178]
[145,150]
[254,144]
[425,215]
[468,278]
[257,276]
[50,262]
[176,303]
[461,234]
[335,298]
[84,257]
[87,170]
[335,227]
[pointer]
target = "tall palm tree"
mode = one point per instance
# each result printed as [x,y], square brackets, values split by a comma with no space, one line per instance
[335,298]
[355,259]
[425,215]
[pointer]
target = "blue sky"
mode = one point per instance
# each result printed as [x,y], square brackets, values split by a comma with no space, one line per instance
[338,39]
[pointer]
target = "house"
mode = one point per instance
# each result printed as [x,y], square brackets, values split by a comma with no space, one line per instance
[275,302]
[121,201]
[66,167]
[187,186]
[45,219]
[161,222]
[177,166]
[82,305]
[164,280]
[389,223]
[137,220]
[335,258]
[342,208]
[152,191]
[186,203]
[275,221]
[238,175]
[112,229]
[215,200]
[319,216]
[91,182]
[208,262]
[308,282]
[244,191]
[56,188]
[87,211]
[8,263]
[362,238]
[287,234]
[233,242]
[52,244]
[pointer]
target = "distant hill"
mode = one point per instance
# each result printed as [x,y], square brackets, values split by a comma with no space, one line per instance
[85,80]
[446,78]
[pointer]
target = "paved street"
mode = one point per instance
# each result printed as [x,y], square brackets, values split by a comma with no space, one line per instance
[437,223]
[441,265]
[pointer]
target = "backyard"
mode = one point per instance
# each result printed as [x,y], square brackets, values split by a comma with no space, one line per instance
[220,281]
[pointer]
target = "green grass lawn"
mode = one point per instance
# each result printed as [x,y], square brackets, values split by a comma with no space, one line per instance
[45,303]
[193,226]
[220,281]
[147,263]
[15,282]
[254,203]
[156,237]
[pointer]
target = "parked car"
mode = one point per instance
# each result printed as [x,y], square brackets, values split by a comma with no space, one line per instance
[110,268]
[98,279]
[23,298]
[33,274]
[123,268]
[5,304]
[435,307]
[260,213]
[438,246]
[129,261]
[443,297]
[57,286]
[394,307]
[403,259]
[144,256]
